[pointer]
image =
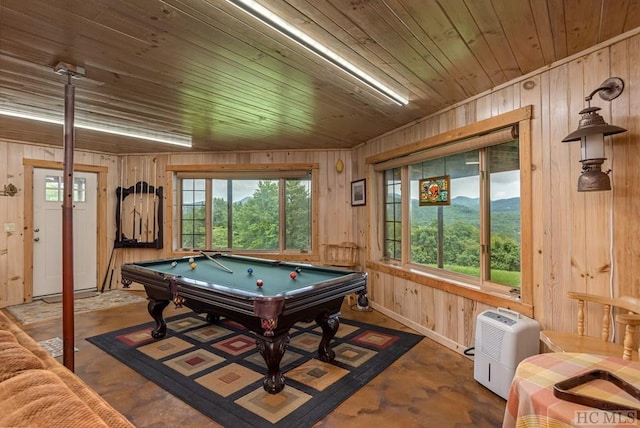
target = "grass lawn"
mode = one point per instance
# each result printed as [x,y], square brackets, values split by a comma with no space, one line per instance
[508,278]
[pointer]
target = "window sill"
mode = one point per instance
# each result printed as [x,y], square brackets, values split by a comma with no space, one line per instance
[479,294]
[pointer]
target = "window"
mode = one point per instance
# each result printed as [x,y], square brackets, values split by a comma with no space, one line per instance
[392,213]
[254,211]
[54,189]
[476,232]
[193,213]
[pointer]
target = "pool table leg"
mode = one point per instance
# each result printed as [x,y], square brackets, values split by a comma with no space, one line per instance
[272,350]
[213,318]
[155,308]
[330,325]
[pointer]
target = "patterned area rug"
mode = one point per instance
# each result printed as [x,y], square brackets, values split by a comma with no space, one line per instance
[217,369]
[39,310]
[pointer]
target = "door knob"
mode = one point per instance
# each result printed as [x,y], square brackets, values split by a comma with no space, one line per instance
[36,239]
[37,229]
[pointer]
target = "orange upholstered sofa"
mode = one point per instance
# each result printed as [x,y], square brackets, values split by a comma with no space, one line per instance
[37,391]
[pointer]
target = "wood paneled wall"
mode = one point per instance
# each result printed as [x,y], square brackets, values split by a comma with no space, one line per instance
[13,266]
[334,203]
[585,241]
[581,241]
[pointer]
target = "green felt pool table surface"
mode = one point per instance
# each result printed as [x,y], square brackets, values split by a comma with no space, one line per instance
[274,275]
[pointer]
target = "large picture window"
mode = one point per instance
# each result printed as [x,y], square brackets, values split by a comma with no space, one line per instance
[472,228]
[268,211]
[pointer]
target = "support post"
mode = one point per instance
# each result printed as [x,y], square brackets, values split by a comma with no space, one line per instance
[68,331]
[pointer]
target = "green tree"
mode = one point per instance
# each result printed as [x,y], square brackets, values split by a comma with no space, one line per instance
[461,244]
[505,253]
[220,223]
[298,215]
[193,226]
[255,222]
[424,245]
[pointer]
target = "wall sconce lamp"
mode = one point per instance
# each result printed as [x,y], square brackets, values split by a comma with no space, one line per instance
[9,190]
[591,132]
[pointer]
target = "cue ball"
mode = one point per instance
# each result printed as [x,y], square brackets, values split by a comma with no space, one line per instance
[174,264]
[259,283]
[193,265]
[293,275]
[249,271]
[191,260]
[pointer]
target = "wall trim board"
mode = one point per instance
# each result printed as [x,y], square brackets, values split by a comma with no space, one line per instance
[476,128]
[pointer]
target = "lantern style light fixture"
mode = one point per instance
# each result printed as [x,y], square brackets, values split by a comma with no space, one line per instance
[591,132]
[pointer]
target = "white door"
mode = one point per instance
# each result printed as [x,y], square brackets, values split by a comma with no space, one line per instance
[47,231]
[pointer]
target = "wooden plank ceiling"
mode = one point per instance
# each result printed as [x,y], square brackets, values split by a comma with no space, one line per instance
[205,68]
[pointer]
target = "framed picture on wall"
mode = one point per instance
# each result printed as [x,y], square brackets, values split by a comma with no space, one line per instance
[358,192]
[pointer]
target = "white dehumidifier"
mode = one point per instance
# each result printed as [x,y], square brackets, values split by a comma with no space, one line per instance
[503,339]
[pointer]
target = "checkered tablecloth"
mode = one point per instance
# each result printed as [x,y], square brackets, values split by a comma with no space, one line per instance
[531,402]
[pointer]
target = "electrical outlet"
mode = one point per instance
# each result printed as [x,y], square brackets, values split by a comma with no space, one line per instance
[9,227]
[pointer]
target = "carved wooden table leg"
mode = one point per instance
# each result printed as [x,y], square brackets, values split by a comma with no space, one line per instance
[155,308]
[329,324]
[272,350]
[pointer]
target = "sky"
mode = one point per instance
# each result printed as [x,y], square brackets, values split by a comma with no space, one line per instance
[504,185]
[241,189]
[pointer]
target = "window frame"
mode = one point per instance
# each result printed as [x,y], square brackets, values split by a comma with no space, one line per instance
[442,144]
[59,189]
[240,171]
[484,218]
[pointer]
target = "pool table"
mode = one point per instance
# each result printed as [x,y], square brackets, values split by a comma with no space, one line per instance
[227,285]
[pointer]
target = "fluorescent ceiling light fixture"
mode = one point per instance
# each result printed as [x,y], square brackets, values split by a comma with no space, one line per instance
[115,129]
[274,21]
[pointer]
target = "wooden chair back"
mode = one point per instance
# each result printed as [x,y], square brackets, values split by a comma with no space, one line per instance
[627,312]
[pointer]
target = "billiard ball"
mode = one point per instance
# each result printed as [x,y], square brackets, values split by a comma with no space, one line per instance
[293,275]
[259,283]
[298,269]
[191,260]
[249,271]
[192,265]
[174,264]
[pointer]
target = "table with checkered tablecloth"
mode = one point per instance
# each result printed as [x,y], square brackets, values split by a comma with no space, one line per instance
[531,402]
